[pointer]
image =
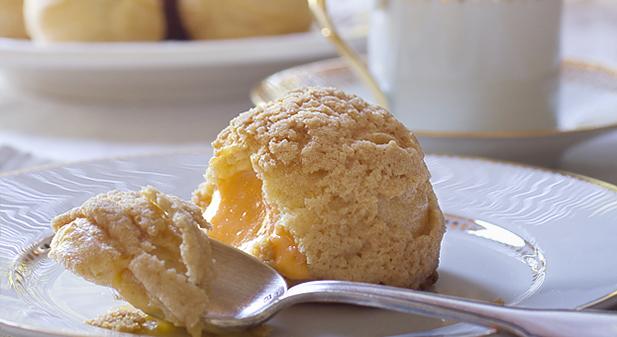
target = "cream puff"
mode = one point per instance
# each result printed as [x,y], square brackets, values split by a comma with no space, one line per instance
[323,185]
[95,20]
[218,19]
[12,19]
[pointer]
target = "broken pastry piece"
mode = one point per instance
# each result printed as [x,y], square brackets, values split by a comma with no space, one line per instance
[129,319]
[148,246]
[323,185]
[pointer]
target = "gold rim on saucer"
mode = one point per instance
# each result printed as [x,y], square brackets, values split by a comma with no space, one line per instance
[318,73]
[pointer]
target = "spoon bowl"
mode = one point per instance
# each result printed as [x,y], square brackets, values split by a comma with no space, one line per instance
[242,286]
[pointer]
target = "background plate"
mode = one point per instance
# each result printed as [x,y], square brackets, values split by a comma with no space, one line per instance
[168,70]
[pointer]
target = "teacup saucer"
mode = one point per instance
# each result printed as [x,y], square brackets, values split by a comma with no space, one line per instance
[587,108]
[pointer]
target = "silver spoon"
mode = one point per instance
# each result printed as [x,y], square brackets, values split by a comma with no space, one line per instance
[247,292]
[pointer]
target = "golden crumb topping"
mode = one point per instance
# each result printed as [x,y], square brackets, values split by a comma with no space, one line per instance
[124,320]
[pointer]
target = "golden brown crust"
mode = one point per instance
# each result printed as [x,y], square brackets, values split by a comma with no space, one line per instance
[215,19]
[12,19]
[124,320]
[95,20]
[346,179]
[147,245]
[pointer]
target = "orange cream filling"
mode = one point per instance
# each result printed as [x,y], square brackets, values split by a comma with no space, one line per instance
[240,211]
[287,258]
[237,213]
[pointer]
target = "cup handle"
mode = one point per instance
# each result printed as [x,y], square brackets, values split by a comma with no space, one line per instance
[355,61]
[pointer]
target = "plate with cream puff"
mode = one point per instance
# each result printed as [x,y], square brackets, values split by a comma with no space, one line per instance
[320,185]
[159,49]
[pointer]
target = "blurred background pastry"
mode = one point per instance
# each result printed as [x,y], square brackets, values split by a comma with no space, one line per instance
[216,19]
[95,20]
[12,19]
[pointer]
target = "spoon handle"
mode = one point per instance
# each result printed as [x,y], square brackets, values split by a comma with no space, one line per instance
[521,322]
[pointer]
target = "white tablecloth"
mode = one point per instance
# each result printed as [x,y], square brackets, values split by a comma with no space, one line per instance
[62,130]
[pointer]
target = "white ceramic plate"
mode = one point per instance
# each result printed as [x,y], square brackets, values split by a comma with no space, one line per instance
[520,235]
[196,70]
[587,106]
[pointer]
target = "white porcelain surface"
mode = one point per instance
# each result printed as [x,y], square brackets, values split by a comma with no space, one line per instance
[539,239]
[468,65]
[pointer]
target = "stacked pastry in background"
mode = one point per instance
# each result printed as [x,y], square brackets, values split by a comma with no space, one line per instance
[12,19]
[149,20]
[95,20]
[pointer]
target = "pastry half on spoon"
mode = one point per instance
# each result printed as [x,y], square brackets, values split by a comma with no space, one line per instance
[148,246]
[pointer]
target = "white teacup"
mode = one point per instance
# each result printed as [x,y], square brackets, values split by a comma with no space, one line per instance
[464,65]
